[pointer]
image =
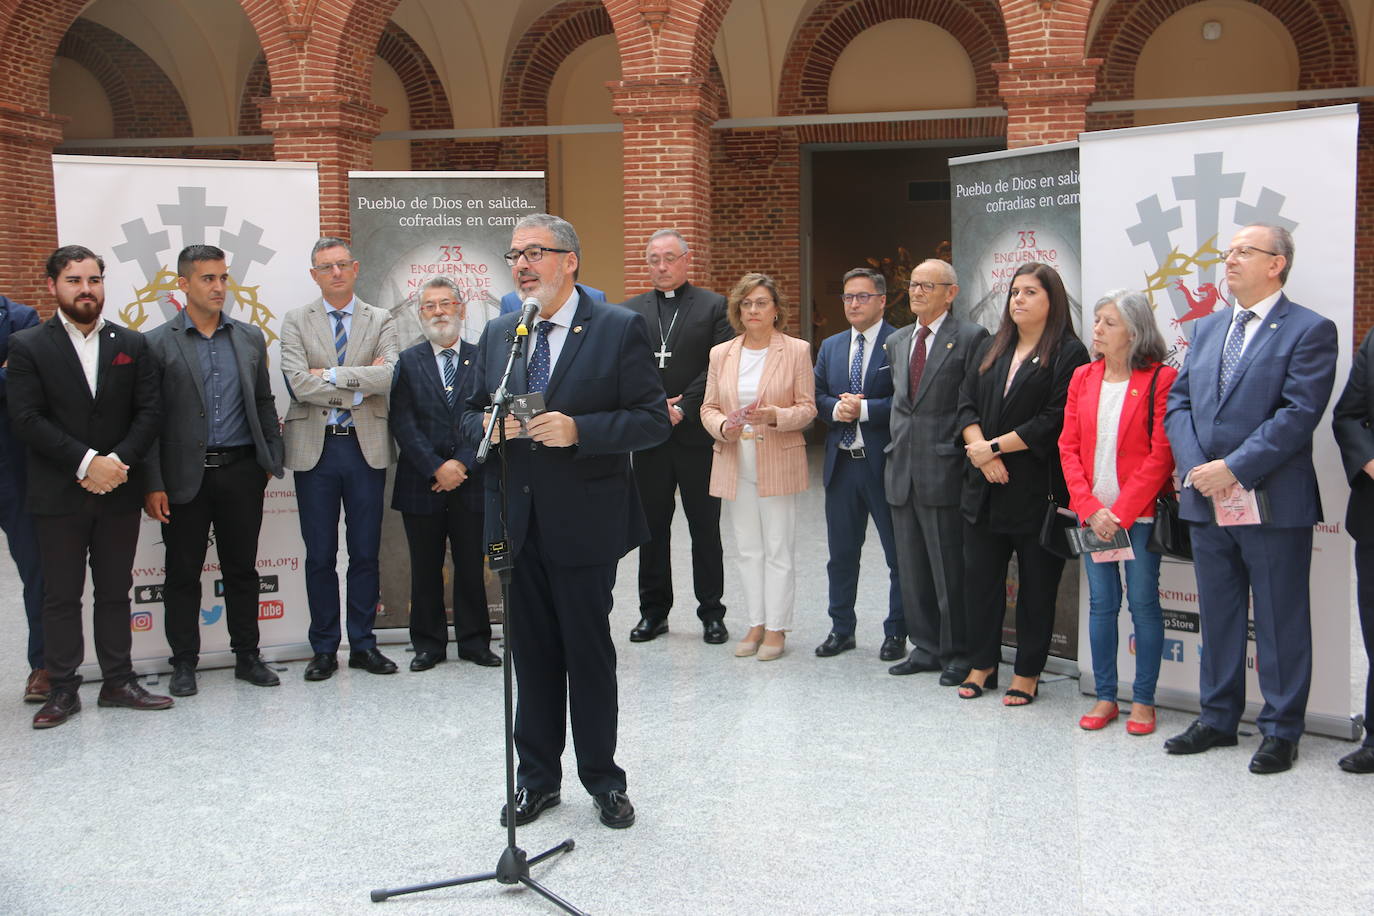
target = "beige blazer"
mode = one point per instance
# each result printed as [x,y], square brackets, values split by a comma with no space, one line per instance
[307,342]
[789,384]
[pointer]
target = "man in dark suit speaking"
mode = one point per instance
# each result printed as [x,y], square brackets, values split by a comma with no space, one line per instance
[688,322]
[83,395]
[219,442]
[573,509]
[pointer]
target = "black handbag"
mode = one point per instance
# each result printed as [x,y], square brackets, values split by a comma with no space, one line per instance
[1054,528]
[1169,534]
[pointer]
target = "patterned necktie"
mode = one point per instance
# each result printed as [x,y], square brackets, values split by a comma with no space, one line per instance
[1230,356]
[856,386]
[450,375]
[341,417]
[918,360]
[537,371]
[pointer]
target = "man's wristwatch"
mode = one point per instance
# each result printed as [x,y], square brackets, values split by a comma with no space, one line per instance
[995,446]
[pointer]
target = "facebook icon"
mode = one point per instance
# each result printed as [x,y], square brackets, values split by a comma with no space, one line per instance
[1173,650]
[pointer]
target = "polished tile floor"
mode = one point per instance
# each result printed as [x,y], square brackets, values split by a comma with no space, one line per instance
[803,785]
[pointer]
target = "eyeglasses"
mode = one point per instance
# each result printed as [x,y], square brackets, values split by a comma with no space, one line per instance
[667,260]
[927,287]
[323,269]
[861,298]
[447,305]
[755,305]
[534,253]
[1246,252]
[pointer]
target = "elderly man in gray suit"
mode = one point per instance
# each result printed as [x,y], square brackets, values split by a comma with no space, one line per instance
[338,354]
[924,471]
[219,444]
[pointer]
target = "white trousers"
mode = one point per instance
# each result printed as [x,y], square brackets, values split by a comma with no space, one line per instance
[765,531]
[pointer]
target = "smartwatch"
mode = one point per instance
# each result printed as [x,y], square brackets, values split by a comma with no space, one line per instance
[995,446]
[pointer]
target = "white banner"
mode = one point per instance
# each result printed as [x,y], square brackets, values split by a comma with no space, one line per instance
[1158,206]
[138,214]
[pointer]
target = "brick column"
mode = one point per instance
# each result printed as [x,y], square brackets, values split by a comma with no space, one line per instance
[667,164]
[335,131]
[28,233]
[1046,98]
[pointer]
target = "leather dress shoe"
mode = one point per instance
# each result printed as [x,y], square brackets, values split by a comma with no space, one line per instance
[1361,761]
[1198,738]
[131,695]
[835,644]
[424,660]
[321,667]
[61,706]
[913,665]
[894,647]
[714,632]
[37,687]
[371,661]
[648,629]
[250,667]
[483,656]
[1275,755]
[615,809]
[529,804]
[182,683]
[953,676]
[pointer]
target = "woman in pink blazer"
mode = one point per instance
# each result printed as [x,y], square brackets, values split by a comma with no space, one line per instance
[1116,460]
[760,395]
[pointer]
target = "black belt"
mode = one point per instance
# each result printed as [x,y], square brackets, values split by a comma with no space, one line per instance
[853,452]
[332,430]
[220,457]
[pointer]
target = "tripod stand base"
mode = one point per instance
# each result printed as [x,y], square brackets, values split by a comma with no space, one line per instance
[512,868]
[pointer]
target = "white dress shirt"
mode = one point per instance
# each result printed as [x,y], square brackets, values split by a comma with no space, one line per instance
[558,334]
[87,348]
[1261,310]
[869,336]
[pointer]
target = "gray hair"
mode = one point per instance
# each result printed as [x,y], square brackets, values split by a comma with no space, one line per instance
[328,241]
[1283,245]
[437,283]
[562,231]
[945,266]
[866,273]
[664,234]
[1147,344]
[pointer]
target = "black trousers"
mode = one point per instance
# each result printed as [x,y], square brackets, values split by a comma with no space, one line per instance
[660,473]
[986,555]
[459,528]
[230,500]
[930,565]
[560,632]
[1364,575]
[66,543]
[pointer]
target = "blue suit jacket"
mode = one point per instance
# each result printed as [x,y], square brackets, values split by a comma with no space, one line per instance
[511,302]
[13,317]
[832,379]
[583,497]
[1262,424]
[428,431]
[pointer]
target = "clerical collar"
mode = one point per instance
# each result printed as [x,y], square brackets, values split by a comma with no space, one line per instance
[669,293]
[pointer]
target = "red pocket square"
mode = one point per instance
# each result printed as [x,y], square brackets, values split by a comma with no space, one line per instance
[122,359]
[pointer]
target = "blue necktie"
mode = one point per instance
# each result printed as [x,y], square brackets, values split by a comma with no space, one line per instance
[450,375]
[1230,356]
[537,371]
[341,417]
[856,386]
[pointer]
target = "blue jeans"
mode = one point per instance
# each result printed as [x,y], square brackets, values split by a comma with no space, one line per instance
[1104,602]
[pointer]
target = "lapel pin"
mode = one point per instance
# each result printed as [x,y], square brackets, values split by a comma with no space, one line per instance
[1273,326]
[467,362]
[1134,392]
[578,329]
[950,345]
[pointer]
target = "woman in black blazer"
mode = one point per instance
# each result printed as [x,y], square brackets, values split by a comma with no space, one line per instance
[1011,411]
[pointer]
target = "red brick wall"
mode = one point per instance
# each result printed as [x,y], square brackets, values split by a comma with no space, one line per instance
[143,100]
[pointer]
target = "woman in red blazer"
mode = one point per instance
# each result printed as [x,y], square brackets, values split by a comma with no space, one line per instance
[1115,462]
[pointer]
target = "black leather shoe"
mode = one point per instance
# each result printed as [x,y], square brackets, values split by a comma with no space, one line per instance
[321,667]
[251,668]
[1198,738]
[61,706]
[1275,755]
[484,657]
[953,676]
[835,644]
[131,695]
[1361,761]
[714,632]
[648,629]
[423,660]
[894,647]
[183,680]
[529,804]
[913,665]
[371,661]
[615,809]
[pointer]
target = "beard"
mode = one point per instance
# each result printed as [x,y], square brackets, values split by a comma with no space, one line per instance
[441,330]
[83,310]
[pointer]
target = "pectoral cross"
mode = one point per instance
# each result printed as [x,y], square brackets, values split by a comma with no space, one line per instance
[663,356]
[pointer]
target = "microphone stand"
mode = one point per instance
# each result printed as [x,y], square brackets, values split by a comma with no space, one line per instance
[513,867]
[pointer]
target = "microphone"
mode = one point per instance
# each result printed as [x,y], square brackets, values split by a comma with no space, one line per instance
[527,316]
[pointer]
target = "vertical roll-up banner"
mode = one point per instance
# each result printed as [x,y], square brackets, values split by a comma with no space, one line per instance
[1011,208]
[138,214]
[408,227]
[1160,204]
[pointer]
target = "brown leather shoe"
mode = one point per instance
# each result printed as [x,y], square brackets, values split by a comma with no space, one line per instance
[61,706]
[131,696]
[37,688]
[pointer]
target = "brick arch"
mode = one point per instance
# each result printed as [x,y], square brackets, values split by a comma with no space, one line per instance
[143,99]
[30,31]
[539,53]
[257,85]
[819,41]
[659,39]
